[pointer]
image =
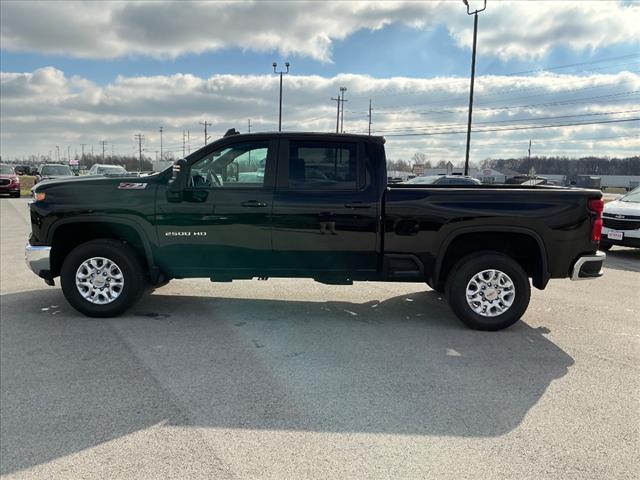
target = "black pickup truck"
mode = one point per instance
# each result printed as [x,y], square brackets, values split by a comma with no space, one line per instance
[309,205]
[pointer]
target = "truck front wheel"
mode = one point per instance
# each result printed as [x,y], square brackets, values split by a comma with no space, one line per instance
[102,278]
[488,291]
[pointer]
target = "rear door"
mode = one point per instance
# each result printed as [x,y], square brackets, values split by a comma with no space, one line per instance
[325,208]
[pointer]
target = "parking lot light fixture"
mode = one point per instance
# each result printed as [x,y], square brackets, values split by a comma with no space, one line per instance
[281,72]
[473,75]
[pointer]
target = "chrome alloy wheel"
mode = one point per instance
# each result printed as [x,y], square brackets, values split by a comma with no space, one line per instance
[490,293]
[99,280]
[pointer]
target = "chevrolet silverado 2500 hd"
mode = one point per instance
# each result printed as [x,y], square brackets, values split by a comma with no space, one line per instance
[309,205]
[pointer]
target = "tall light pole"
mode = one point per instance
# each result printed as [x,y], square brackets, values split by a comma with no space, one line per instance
[281,72]
[473,76]
[161,130]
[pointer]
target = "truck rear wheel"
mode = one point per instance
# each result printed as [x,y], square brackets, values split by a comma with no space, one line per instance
[102,278]
[488,291]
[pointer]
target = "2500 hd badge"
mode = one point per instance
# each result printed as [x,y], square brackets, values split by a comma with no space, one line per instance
[185,234]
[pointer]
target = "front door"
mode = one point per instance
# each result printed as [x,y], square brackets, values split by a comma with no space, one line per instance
[224,220]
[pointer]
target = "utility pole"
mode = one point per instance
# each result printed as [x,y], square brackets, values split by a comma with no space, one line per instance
[249,126]
[161,155]
[188,142]
[140,137]
[184,137]
[342,91]
[205,123]
[68,153]
[369,117]
[337,100]
[103,142]
[281,72]
[58,152]
[529,157]
[473,75]
[82,158]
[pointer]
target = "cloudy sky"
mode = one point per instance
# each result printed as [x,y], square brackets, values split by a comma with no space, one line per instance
[564,74]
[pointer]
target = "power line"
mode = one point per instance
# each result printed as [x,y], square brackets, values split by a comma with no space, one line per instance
[571,65]
[513,128]
[515,120]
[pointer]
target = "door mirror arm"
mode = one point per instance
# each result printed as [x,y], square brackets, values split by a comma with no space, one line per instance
[178,181]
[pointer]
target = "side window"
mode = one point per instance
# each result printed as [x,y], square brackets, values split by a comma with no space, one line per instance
[238,165]
[323,165]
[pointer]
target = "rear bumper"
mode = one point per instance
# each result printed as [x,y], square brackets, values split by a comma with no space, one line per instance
[588,267]
[38,260]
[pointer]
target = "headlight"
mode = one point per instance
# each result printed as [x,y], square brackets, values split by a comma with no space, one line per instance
[39,196]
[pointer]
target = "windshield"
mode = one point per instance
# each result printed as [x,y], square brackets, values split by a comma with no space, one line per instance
[424,180]
[115,170]
[56,170]
[6,170]
[633,196]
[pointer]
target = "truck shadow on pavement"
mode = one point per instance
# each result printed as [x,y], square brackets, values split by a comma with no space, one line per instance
[626,259]
[401,366]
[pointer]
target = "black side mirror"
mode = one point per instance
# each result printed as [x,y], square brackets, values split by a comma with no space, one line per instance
[178,182]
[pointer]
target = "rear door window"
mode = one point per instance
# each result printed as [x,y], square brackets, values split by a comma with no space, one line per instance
[323,165]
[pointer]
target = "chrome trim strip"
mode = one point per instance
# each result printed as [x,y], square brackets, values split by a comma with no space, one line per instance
[598,257]
[37,258]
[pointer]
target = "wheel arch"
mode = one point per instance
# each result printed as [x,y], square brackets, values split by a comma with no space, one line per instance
[454,247]
[68,233]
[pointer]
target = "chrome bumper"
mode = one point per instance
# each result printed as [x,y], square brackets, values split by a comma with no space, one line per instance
[37,258]
[588,267]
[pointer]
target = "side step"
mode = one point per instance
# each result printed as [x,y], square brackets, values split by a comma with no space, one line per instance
[403,266]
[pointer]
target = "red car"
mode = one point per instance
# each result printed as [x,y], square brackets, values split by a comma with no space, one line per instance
[9,181]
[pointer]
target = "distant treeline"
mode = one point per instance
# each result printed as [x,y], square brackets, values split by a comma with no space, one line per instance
[568,166]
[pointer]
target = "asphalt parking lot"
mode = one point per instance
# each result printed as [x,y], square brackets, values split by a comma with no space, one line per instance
[290,379]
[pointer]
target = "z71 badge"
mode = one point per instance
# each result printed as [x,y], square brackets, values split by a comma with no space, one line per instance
[131,186]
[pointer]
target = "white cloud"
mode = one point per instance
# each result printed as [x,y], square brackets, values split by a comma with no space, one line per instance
[45,108]
[170,29]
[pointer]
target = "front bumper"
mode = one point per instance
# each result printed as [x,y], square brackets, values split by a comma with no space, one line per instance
[588,267]
[38,260]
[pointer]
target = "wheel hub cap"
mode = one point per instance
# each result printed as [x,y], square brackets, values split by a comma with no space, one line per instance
[99,280]
[490,293]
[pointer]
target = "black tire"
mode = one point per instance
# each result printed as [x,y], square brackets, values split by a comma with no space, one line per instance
[605,247]
[16,195]
[124,256]
[466,269]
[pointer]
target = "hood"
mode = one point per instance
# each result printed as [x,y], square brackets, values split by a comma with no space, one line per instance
[622,208]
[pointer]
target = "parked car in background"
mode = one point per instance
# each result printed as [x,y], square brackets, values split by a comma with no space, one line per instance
[443,180]
[50,171]
[99,169]
[24,170]
[621,222]
[9,181]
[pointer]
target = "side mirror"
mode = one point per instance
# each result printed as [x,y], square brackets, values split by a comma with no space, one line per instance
[178,182]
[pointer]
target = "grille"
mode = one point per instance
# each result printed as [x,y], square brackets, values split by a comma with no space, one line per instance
[4,181]
[621,224]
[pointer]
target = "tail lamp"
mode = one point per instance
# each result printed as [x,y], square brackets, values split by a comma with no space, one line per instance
[596,206]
